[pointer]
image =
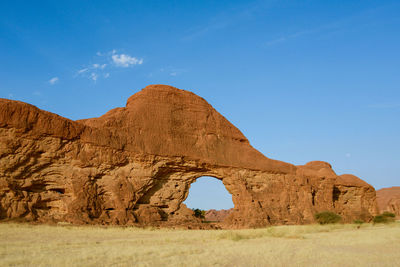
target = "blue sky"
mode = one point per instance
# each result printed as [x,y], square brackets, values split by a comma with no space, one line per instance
[208,193]
[303,80]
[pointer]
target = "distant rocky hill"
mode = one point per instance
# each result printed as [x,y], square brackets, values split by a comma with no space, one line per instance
[389,200]
[217,215]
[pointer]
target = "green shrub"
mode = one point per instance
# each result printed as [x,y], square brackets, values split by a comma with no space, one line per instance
[380,219]
[358,221]
[327,217]
[199,213]
[385,217]
[388,214]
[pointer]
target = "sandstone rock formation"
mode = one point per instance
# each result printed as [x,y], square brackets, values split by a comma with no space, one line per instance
[135,164]
[217,215]
[389,200]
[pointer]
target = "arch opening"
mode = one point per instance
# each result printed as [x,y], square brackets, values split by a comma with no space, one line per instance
[209,194]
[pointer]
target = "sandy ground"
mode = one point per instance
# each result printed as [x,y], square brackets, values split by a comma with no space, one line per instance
[309,245]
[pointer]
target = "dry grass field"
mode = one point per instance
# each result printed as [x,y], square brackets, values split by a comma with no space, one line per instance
[308,245]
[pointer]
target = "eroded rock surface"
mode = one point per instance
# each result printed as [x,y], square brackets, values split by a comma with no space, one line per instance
[135,164]
[389,200]
[217,215]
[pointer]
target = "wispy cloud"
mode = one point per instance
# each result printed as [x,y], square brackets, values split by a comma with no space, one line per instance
[171,71]
[94,76]
[212,26]
[99,66]
[92,72]
[82,70]
[53,80]
[289,36]
[361,19]
[226,19]
[106,63]
[125,61]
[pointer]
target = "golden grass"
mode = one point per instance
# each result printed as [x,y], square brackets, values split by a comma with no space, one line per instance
[307,245]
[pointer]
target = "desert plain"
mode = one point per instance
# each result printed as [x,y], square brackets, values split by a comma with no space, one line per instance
[295,245]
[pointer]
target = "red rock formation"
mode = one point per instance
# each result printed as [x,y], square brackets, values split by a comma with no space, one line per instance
[389,200]
[135,165]
[354,198]
[217,215]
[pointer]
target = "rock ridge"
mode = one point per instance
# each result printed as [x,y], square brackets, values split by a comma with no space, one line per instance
[135,165]
[389,200]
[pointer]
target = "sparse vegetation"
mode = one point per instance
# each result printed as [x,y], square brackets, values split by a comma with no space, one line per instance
[327,217]
[389,214]
[200,213]
[297,245]
[385,217]
[358,222]
[380,219]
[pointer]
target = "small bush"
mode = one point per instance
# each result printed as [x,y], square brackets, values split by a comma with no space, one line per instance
[200,213]
[385,217]
[380,219]
[327,217]
[358,221]
[388,214]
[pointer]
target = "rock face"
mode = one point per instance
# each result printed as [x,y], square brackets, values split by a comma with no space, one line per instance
[389,200]
[135,165]
[217,215]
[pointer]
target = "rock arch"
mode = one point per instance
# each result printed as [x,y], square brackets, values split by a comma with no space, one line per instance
[208,193]
[135,164]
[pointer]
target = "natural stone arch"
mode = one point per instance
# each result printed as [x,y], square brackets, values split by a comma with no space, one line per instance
[209,193]
[169,191]
[134,165]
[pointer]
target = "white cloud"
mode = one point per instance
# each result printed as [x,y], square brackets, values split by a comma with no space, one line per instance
[105,63]
[99,66]
[277,40]
[125,61]
[172,71]
[93,76]
[54,80]
[83,70]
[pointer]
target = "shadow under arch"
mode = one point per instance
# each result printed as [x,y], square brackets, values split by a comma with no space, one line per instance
[166,195]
